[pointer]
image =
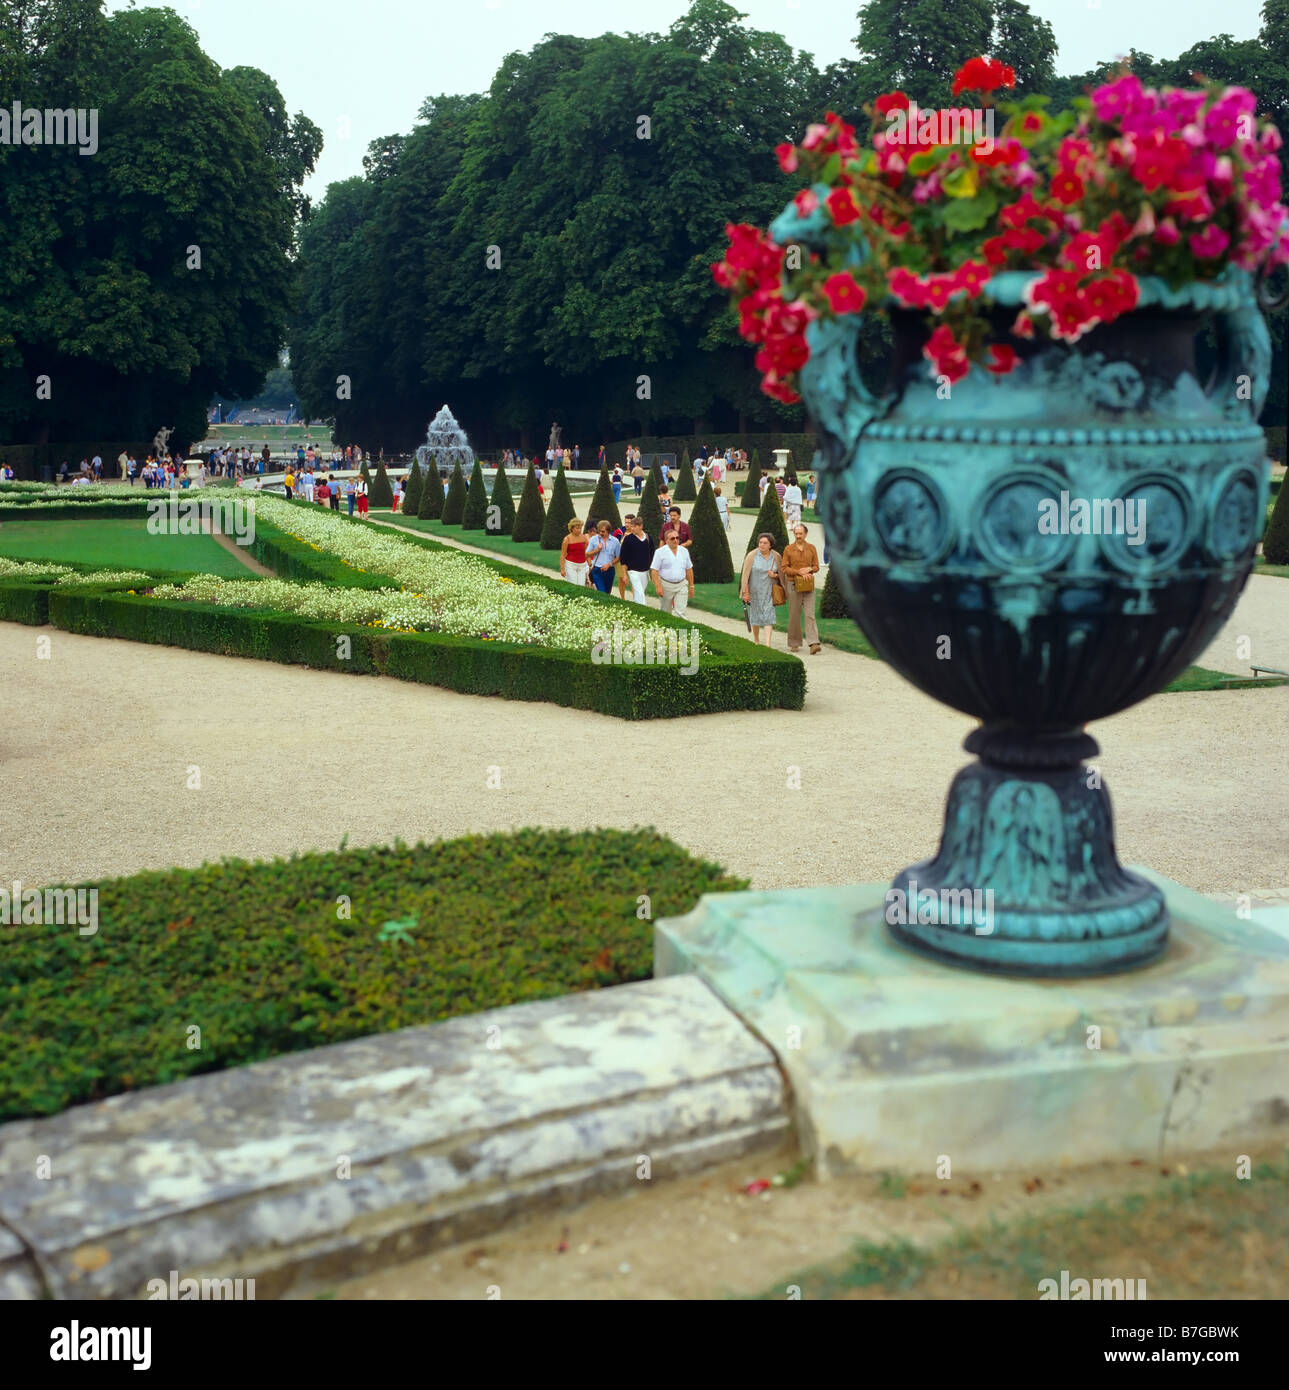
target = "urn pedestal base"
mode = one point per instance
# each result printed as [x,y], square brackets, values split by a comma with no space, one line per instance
[1026,881]
[896,1058]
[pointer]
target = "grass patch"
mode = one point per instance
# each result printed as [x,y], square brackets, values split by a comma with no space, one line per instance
[1209,1235]
[116,543]
[1201,678]
[1276,571]
[257,957]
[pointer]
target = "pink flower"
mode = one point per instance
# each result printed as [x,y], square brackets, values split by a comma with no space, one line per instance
[814,136]
[1122,97]
[806,202]
[1210,243]
[787,157]
[1222,120]
[1166,232]
[1023,326]
[1270,140]
[947,356]
[1145,223]
[926,189]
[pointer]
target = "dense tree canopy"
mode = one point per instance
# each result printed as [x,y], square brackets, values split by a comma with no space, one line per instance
[141,279]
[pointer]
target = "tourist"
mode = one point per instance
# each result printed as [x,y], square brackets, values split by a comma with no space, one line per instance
[307,483]
[666,474]
[351,494]
[603,555]
[637,559]
[322,493]
[781,489]
[602,458]
[577,455]
[800,565]
[674,523]
[334,486]
[288,482]
[791,497]
[722,507]
[360,490]
[637,473]
[672,572]
[765,484]
[572,555]
[98,466]
[617,481]
[810,489]
[756,586]
[664,502]
[398,494]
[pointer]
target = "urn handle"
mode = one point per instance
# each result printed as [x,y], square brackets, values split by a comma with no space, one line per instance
[1242,375]
[837,401]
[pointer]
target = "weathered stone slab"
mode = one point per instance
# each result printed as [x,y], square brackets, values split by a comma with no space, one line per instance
[448,1131]
[896,1059]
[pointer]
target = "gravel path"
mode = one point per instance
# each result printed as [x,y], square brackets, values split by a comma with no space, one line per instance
[1199,780]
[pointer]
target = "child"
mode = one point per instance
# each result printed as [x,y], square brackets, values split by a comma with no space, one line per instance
[723,507]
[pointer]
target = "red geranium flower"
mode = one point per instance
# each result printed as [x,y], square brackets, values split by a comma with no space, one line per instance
[843,294]
[891,101]
[843,207]
[1067,187]
[1005,359]
[947,356]
[786,154]
[982,75]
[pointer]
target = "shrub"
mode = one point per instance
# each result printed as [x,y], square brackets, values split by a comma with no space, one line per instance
[751,494]
[412,491]
[454,502]
[686,490]
[530,516]
[603,507]
[366,477]
[475,515]
[650,511]
[770,518]
[710,550]
[832,602]
[1275,543]
[655,472]
[431,507]
[381,493]
[503,517]
[255,952]
[558,514]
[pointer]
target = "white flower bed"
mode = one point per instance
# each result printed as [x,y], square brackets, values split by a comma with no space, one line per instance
[440,591]
[33,569]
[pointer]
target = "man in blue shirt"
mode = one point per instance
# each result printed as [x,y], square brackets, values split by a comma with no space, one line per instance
[603,554]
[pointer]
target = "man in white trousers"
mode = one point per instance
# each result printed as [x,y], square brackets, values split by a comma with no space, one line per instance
[673,575]
[637,556]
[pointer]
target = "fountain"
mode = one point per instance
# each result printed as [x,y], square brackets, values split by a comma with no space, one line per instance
[445,444]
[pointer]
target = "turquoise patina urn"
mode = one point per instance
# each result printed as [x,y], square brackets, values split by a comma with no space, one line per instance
[1041,550]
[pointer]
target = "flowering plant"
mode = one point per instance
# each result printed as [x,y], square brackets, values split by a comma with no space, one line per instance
[1130,181]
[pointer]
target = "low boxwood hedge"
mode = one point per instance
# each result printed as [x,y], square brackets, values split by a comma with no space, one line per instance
[270,958]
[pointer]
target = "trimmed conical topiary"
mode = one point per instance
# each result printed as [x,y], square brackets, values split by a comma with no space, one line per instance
[832,603]
[501,507]
[1275,543]
[650,512]
[530,516]
[412,490]
[431,507]
[750,496]
[558,514]
[655,470]
[686,488]
[770,518]
[454,502]
[710,548]
[381,492]
[475,515]
[603,507]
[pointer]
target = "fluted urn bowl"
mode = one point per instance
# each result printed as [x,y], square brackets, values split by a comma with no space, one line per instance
[1040,550]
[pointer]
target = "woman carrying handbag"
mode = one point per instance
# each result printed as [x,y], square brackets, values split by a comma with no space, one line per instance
[760,587]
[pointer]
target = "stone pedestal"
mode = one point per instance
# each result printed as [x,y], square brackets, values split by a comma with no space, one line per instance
[896,1059]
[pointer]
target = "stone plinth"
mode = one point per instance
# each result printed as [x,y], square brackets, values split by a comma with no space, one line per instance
[896,1059]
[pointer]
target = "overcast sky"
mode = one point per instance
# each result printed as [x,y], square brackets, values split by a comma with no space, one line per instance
[371,63]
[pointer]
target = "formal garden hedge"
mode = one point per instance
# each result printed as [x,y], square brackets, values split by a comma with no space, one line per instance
[731,673]
[260,957]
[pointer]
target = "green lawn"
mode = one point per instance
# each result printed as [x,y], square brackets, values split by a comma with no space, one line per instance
[1277,571]
[116,544]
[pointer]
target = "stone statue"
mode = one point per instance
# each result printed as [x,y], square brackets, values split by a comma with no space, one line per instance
[554,439]
[160,440]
